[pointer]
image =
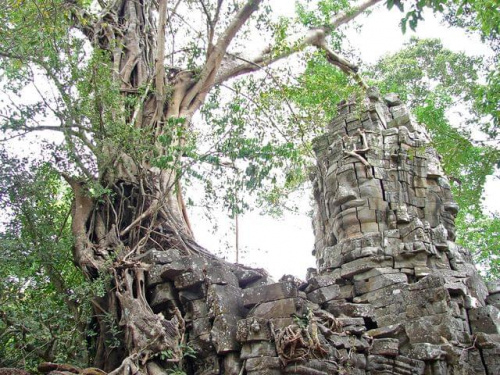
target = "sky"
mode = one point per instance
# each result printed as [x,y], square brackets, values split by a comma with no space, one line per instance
[284,245]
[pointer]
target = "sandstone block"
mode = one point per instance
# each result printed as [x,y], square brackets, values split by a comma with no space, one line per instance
[266,293]
[312,366]
[192,294]
[246,275]
[378,282]
[224,299]
[354,310]
[364,264]
[374,272]
[431,329]
[494,300]
[200,327]
[224,333]
[232,364]
[262,363]
[485,319]
[282,308]
[196,309]
[253,329]
[493,286]
[321,281]
[189,279]
[386,347]
[426,352]
[154,256]
[388,331]
[258,349]
[325,294]
[220,274]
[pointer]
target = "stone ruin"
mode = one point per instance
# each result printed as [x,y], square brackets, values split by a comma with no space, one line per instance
[392,292]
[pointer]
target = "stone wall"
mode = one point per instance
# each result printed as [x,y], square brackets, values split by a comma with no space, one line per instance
[392,292]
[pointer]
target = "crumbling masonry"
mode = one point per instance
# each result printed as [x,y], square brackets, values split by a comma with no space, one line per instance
[392,292]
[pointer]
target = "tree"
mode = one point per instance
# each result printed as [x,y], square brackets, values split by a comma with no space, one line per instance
[127,78]
[44,308]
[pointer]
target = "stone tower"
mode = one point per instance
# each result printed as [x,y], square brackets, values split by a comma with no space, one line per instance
[385,232]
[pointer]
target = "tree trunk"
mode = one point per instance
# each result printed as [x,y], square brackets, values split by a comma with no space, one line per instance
[144,208]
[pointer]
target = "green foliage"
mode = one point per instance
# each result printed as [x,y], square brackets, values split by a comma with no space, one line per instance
[265,159]
[321,13]
[477,15]
[43,308]
[319,90]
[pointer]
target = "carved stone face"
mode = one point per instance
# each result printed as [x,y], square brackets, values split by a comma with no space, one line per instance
[352,197]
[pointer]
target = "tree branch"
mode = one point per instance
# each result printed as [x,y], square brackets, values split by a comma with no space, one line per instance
[313,37]
[195,96]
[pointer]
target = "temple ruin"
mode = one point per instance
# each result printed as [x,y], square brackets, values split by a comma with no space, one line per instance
[392,292]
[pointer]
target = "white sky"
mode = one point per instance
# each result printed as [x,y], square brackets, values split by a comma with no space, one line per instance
[284,246]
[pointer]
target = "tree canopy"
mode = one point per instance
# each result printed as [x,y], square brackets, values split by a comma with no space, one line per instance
[135,101]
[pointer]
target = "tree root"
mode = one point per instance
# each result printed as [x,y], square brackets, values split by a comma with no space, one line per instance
[299,342]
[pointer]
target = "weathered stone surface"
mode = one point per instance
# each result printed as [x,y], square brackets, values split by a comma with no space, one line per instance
[247,275]
[433,329]
[224,299]
[312,367]
[493,286]
[262,363]
[387,331]
[386,347]
[377,282]
[154,256]
[220,274]
[399,365]
[321,281]
[257,349]
[426,352]
[485,319]
[342,308]
[224,333]
[325,294]
[232,364]
[494,300]
[283,308]
[361,265]
[201,326]
[492,359]
[196,309]
[161,295]
[189,279]
[266,293]
[192,294]
[153,275]
[253,329]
